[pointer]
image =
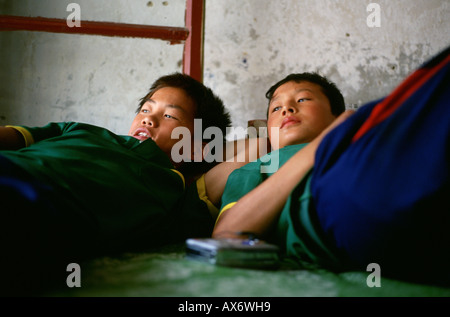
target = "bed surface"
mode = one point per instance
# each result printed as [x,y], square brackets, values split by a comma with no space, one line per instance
[166,272]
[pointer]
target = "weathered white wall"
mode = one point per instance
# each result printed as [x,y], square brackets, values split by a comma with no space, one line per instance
[249,45]
[58,77]
[252,44]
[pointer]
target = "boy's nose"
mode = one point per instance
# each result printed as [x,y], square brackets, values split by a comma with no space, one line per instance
[148,120]
[288,109]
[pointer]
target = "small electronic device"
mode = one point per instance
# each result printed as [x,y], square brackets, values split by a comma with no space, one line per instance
[245,253]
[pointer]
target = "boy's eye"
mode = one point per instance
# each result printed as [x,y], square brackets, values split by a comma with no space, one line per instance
[169,116]
[144,110]
[276,109]
[302,99]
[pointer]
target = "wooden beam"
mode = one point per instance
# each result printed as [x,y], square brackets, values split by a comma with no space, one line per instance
[174,35]
[193,47]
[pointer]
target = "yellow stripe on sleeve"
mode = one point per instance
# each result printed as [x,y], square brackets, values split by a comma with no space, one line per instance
[201,188]
[28,138]
[181,175]
[228,206]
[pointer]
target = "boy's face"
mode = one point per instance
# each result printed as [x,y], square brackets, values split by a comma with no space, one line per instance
[299,111]
[166,109]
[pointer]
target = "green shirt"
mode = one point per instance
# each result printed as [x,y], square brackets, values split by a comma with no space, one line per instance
[298,233]
[126,193]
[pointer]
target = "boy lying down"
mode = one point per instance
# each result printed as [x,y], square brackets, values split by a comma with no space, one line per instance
[368,187]
[70,191]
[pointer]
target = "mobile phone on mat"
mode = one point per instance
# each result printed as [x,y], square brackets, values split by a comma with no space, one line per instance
[245,253]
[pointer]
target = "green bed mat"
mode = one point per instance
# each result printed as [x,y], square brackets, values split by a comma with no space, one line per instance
[166,272]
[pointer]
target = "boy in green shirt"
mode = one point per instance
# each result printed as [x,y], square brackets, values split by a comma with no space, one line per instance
[70,190]
[301,107]
[369,190]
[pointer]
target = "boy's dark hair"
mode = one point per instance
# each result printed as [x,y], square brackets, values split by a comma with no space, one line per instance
[329,88]
[209,107]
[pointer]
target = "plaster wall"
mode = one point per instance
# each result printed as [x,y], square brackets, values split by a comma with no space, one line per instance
[249,45]
[94,79]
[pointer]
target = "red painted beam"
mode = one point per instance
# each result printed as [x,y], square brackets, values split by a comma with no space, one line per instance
[174,35]
[193,47]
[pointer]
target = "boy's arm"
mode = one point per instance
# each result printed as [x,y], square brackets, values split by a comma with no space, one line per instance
[257,211]
[236,154]
[10,139]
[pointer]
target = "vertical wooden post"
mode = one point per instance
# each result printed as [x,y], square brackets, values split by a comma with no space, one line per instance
[193,47]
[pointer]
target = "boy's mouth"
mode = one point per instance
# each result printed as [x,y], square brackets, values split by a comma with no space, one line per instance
[142,134]
[289,121]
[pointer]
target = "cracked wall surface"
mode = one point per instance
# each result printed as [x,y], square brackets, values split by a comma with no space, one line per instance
[249,45]
[252,44]
[93,79]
